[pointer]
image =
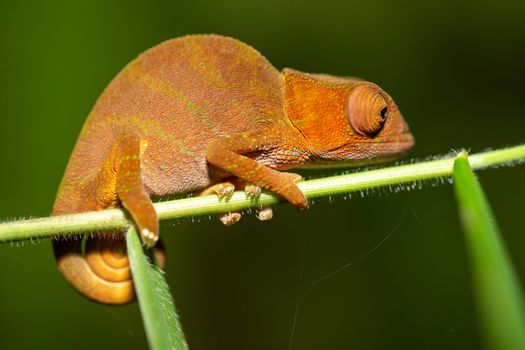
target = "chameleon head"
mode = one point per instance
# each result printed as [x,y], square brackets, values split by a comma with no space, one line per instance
[345,119]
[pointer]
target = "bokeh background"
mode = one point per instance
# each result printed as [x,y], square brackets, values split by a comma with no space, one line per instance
[455,68]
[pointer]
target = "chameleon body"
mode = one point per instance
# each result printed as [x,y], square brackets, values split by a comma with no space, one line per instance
[193,112]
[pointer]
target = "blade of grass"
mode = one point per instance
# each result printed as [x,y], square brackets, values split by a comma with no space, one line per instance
[161,323]
[499,299]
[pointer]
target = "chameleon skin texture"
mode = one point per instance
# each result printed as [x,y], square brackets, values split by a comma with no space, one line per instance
[193,111]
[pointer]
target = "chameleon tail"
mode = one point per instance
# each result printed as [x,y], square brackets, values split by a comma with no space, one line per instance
[102,273]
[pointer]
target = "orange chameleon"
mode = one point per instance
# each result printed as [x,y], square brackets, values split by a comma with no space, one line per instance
[207,113]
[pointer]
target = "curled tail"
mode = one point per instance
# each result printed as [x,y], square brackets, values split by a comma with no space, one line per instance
[102,274]
[98,268]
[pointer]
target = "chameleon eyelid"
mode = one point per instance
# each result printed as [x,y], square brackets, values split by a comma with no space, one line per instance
[367,110]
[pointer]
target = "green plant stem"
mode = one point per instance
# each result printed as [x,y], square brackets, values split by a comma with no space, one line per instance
[117,219]
[498,297]
[161,323]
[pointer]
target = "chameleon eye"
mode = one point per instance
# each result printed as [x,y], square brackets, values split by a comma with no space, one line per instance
[384,113]
[367,110]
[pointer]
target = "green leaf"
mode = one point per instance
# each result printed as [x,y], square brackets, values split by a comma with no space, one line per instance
[161,323]
[498,296]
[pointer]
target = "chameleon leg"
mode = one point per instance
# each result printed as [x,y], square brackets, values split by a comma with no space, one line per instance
[223,190]
[227,153]
[130,191]
[100,270]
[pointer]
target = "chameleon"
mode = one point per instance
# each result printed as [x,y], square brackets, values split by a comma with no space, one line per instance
[205,114]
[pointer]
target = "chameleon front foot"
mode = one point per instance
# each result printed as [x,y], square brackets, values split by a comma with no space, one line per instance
[254,191]
[230,218]
[226,189]
[223,190]
[264,213]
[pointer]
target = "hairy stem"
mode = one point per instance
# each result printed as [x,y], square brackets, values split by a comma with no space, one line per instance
[117,219]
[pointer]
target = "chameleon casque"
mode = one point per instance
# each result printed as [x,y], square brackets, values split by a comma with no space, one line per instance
[203,114]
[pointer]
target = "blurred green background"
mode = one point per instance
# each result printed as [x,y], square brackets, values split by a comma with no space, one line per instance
[455,68]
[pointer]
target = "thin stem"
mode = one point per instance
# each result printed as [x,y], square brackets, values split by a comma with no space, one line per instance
[117,219]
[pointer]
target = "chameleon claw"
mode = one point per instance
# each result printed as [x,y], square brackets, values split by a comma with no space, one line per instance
[252,190]
[264,213]
[225,190]
[230,218]
[149,238]
[222,190]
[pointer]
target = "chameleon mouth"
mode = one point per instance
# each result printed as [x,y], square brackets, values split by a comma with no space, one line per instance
[397,143]
[364,153]
[405,142]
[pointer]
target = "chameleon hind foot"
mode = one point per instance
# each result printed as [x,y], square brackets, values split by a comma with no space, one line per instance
[254,191]
[230,218]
